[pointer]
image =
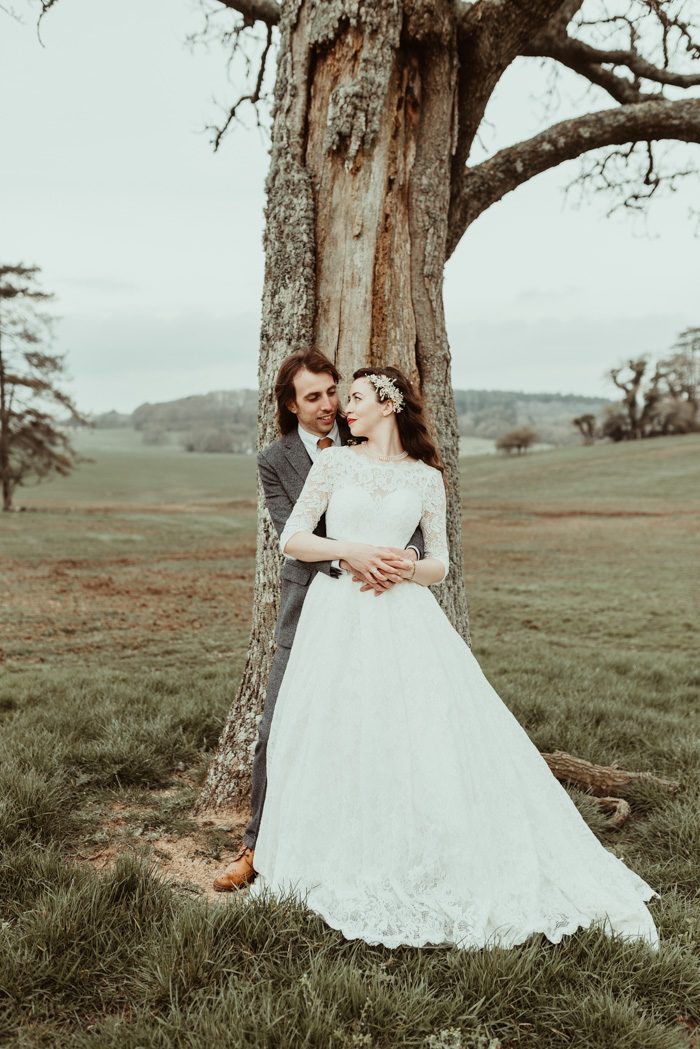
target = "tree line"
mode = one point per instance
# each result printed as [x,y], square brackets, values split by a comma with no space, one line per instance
[226,420]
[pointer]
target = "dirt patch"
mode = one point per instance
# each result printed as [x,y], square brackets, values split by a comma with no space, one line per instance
[183,861]
[68,607]
[189,858]
[126,507]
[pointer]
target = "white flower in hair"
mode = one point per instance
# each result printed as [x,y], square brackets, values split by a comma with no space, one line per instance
[387,390]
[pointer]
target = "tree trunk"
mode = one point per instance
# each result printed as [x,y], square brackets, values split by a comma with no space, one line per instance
[356,227]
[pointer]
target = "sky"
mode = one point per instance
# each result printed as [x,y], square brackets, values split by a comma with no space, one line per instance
[153,243]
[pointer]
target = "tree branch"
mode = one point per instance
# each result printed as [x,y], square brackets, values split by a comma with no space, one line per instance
[252,97]
[589,62]
[267,11]
[481,12]
[644,69]
[489,181]
[491,34]
[11,12]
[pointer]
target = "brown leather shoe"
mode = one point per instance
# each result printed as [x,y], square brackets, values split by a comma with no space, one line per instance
[238,873]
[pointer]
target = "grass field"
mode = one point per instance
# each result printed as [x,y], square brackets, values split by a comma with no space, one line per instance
[126,602]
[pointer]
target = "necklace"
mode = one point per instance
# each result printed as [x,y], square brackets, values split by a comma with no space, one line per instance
[386,458]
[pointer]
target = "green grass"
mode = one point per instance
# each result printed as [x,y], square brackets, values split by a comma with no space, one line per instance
[126,471]
[628,478]
[124,626]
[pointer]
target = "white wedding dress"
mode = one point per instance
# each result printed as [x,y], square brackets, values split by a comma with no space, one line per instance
[405,804]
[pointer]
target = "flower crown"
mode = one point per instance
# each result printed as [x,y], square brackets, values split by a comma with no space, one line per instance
[387,390]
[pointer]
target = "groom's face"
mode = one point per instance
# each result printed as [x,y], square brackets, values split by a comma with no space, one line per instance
[315,401]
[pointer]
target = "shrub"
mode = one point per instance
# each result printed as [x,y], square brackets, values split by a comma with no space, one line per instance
[518,440]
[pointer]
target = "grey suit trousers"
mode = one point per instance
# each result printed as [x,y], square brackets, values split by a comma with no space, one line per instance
[259,785]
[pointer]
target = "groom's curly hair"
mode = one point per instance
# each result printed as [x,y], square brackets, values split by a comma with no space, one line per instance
[313,361]
[414,432]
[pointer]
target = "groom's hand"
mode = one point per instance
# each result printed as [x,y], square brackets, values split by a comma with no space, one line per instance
[401,568]
[374,566]
[396,566]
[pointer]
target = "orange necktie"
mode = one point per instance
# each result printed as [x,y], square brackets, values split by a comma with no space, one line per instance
[324,442]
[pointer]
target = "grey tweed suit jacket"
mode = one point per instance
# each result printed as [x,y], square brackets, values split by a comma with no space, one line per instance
[283,467]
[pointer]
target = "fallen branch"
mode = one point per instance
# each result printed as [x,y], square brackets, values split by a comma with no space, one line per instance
[606,783]
[619,810]
[602,780]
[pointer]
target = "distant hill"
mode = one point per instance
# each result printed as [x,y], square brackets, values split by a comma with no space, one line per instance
[225,420]
[220,421]
[219,408]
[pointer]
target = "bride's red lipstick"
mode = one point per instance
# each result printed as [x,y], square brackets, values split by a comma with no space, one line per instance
[350,419]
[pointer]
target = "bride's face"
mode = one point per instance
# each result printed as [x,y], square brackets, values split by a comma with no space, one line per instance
[364,411]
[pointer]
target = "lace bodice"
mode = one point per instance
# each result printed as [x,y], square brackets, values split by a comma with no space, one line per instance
[372,502]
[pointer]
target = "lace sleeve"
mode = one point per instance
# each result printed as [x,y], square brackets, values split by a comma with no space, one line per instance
[433,520]
[313,500]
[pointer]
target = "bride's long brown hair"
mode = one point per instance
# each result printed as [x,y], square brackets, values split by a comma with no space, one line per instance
[413,429]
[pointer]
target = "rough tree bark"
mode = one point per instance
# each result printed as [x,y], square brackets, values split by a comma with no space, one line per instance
[376,109]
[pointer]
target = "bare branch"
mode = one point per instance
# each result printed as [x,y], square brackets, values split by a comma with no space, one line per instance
[267,11]
[644,69]
[10,11]
[253,97]
[590,61]
[491,34]
[661,27]
[630,176]
[482,12]
[586,61]
[491,180]
[46,6]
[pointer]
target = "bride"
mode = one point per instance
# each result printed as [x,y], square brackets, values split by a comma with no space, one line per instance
[405,804]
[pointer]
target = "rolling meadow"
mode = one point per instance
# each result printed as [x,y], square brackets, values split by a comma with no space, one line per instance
[126,603]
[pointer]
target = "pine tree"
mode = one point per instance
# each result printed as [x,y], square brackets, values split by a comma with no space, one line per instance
[33,444]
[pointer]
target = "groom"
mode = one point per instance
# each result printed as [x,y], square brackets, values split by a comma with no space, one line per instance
[309,419]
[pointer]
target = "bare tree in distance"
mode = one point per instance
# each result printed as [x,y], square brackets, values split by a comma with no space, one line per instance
[689,342]
[518,440]
[586,425]
[655,403]
[628,378]
[377,109]
[685,366]
[33,443]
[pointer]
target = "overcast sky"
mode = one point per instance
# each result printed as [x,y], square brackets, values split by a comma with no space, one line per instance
[152,242]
